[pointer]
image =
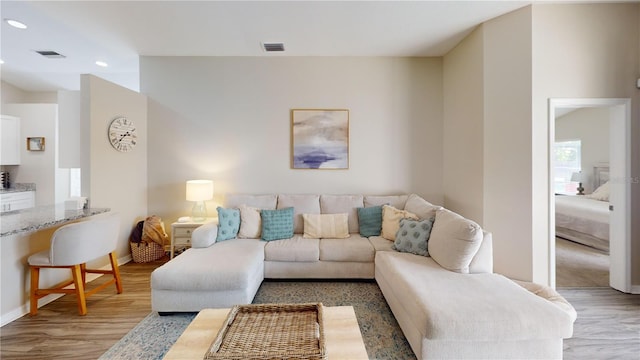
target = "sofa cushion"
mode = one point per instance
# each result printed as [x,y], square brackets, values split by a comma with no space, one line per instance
[338,204]
[228,223]
[454,241]
[354,249]
[260,201]
[391,221]
[413,236]
[226,265]
[421,207]
[277,224]
[326,226]
[381,244]
[295,248]
[370,219]
[301,204]
[454,306]
[250,222]
[397,201]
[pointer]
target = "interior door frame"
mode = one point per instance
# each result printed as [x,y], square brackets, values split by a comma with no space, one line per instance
[620,131]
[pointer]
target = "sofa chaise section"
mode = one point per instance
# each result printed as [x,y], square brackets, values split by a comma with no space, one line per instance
[448,315]
[219,276]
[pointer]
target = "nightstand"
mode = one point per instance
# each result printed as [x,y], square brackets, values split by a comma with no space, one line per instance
[181,233]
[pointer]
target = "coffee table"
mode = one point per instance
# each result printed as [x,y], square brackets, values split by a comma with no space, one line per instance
[342,334]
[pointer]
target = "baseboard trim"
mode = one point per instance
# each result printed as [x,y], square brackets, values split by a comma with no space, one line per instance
[23,310]
[635,289]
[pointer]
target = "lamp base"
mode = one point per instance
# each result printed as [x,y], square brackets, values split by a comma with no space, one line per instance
[580,189]
[199,211]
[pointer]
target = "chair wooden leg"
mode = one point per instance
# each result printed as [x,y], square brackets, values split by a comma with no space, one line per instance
[116,271]
[33,298]
[79,284]
[83,270]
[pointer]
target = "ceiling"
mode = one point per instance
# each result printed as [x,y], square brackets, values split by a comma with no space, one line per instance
[118,32]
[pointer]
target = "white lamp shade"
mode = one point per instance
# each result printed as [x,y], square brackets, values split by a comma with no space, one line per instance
[199,190]
[576,177]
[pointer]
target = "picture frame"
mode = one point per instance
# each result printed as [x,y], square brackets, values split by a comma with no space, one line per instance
[35,143]
[320,139]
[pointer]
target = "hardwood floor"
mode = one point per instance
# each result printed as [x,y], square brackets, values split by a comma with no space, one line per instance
[608,324]
[58,332]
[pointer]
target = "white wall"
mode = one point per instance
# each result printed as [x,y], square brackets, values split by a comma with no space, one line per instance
[463,164]
[37,167]
[227,119]
[11,94]
[587,51]
[591,127]
[113,179]
[69,104]
[507,144]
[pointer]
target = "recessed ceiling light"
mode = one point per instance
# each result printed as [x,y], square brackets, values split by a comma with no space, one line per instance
[16,24]
[101,63]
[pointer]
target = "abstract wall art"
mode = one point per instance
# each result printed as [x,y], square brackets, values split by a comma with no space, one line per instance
[320,139]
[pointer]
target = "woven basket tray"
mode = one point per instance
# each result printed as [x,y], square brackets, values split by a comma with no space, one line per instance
[271,331]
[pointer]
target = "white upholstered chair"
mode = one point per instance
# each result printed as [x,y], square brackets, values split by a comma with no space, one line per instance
[72,246]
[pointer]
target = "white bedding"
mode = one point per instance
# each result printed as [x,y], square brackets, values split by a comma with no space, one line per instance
[583,220]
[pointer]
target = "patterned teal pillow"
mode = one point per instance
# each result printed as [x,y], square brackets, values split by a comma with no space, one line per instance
[370,220]
[277,224]
[228,223]
[413,236]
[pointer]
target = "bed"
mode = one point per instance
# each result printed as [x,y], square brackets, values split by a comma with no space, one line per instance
[585,219]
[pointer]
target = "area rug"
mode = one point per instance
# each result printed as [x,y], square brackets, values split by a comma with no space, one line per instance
[382,336]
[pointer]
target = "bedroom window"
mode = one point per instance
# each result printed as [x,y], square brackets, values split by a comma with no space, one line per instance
[567,161]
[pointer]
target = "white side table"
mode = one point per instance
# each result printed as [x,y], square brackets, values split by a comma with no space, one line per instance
[181,233]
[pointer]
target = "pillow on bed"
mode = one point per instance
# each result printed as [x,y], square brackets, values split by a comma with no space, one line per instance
[601,193]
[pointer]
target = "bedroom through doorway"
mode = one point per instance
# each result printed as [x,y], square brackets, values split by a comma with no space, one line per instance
[589,244]
[581,169]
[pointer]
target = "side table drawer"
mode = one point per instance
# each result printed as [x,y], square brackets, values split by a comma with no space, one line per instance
[183,232]
[182,240]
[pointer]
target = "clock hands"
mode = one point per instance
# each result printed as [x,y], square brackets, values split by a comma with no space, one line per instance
[123,136]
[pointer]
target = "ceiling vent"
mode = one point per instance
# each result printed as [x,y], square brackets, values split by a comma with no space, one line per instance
[271,47]
[50,54]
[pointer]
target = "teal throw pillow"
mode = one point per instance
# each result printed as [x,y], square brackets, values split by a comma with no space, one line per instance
[277,224]
[228,223]
[413,236]
[370,220]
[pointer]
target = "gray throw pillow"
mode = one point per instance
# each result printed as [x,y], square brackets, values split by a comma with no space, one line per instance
[413,236]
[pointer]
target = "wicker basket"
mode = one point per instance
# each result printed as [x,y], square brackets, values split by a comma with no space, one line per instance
[271,331]
[146,252]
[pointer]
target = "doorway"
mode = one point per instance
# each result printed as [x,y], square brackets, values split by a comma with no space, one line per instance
[619,119]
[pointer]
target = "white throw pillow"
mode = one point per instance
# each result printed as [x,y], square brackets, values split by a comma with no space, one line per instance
[391,221]
[328,226]
[454,241]
[601,193]
[250,222]
[421,207]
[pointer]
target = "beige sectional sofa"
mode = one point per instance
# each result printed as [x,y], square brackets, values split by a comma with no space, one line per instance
[449,304]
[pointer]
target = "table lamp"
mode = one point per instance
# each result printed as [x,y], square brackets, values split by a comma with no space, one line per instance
[199,191]
[577,177]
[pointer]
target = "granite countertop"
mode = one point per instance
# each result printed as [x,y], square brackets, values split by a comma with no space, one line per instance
[19,187]
[41,217]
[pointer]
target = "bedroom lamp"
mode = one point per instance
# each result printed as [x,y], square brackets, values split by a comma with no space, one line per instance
[577,177]
[199,191]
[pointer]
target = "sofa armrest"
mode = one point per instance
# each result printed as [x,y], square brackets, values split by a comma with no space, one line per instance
[482,262]
[205,235]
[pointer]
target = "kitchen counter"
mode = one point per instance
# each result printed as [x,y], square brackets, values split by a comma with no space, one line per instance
[41,217]
[19,187]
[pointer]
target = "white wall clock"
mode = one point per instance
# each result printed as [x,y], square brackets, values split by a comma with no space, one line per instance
[122,134]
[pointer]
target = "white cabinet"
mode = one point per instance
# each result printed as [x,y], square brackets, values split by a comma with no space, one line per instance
[17,200]
[10,140]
